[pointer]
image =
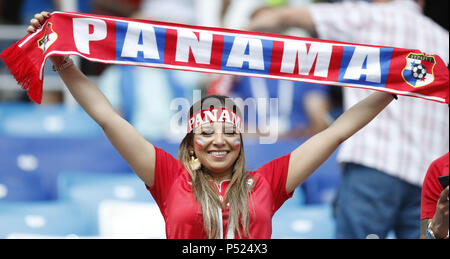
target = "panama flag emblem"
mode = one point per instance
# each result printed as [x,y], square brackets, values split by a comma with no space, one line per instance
[48,39]
[419,70]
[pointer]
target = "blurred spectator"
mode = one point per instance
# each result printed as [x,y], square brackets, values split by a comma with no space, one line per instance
[434,206]
[235,14]
[384,163]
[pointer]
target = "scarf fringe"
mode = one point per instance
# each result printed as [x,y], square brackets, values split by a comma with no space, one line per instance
[23,70]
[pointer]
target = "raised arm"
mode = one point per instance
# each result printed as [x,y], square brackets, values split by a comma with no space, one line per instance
[134,148]
[315,151]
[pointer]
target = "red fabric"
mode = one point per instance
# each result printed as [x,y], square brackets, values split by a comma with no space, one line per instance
[182,213]
[431,189]
[102,39]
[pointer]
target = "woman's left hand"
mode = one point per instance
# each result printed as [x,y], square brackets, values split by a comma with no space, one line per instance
[37,21]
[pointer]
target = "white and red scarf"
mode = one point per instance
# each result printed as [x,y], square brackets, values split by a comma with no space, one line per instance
[126,41]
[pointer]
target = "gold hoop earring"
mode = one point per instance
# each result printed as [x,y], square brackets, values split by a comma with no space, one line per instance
[194,162]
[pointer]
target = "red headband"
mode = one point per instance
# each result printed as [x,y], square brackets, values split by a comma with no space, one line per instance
[214,115]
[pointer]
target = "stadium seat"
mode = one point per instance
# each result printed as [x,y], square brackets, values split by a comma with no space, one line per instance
[256,154]
[47,157]
[304,222]
[89,189]
[171,148]
[22,186]
[297,200]
[46,218]
[119,185]
[51,121]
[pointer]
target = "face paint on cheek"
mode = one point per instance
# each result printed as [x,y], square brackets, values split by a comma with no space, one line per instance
[237,143]
[200,142]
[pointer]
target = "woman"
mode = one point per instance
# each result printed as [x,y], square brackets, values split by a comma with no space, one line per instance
[207,193]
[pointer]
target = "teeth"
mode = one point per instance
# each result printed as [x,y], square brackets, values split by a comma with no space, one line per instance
[219,153]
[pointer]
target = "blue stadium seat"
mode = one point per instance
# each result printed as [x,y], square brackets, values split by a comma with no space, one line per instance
[171,148]
[304,222]
[52,121]
[57,219]
[22,186]
[297,200]
[94,185]
[50,156]
[256,154]
[319,188]
[46,140]
[89,189]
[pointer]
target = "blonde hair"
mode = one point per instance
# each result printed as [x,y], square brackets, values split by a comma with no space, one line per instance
[206,194]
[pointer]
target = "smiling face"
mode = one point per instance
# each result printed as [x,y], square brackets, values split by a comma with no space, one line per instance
[217,146]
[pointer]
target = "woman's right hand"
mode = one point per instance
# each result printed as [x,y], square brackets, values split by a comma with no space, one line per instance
[36,23]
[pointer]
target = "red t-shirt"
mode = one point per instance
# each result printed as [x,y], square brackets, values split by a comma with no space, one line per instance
[431,189]
[183,214]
